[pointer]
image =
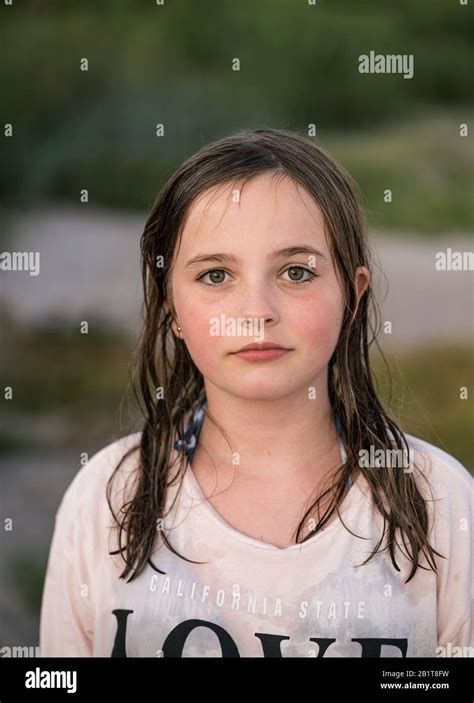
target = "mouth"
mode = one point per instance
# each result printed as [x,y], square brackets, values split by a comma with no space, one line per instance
[261,352]
[261,346]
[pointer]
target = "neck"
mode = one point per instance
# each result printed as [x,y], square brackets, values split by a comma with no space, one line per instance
[276,438]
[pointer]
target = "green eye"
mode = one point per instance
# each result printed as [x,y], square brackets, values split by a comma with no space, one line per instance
[213,272]
[312,275]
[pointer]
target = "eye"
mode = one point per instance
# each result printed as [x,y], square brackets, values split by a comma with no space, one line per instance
[311,274]
[213,273]
[221,272]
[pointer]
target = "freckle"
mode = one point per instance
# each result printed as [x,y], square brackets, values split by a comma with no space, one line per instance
[456,577]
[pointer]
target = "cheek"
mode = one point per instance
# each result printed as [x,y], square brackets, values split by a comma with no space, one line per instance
[317,322]
[199,342]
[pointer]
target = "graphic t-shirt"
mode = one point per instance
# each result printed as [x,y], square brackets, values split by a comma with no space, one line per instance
[243,597]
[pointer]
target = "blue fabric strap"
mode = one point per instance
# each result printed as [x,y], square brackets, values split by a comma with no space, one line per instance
[191,435]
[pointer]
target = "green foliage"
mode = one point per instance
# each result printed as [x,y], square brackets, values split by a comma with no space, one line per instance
[63,380]
[172,64]
[425,396]
[425,163]
[55,366]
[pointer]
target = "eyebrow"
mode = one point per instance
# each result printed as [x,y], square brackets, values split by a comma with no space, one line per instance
[280,253]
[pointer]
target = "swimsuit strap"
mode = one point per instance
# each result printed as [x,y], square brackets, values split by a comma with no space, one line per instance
[191,435]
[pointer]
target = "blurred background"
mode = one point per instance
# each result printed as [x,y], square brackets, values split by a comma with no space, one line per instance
[171,64]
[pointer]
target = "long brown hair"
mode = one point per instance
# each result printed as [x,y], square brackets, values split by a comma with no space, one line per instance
[168,386]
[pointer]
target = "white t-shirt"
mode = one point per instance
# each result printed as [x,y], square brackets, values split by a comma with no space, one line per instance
[250,598]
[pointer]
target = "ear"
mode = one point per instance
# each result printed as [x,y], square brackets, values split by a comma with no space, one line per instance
[166,308]
[362,281]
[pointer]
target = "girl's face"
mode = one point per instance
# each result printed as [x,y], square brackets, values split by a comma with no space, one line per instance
[230,267]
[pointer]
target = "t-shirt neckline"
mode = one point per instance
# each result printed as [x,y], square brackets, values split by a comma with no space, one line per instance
[351,498]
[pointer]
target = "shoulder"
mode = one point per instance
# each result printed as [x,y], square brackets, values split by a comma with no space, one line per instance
[450,507]
[443,470]
[445,483]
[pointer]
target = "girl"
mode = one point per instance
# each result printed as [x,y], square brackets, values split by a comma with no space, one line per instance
[270,506]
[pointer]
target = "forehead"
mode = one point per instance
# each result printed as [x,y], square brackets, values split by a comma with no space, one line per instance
[266,210]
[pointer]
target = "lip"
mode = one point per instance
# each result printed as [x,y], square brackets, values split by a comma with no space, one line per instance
[267,351]
[260,346]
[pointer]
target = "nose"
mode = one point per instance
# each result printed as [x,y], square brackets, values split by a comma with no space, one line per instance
[257,302]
